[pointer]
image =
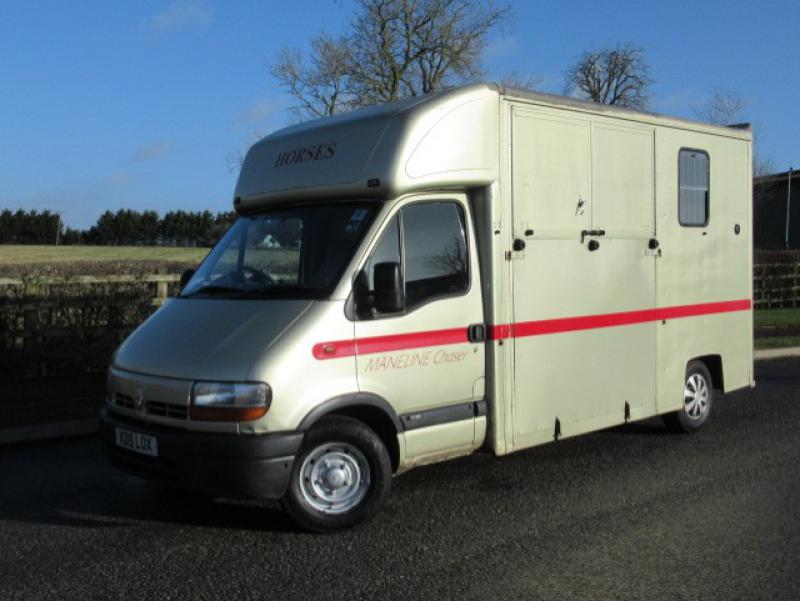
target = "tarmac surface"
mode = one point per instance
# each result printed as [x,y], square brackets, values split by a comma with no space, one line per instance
[628,513]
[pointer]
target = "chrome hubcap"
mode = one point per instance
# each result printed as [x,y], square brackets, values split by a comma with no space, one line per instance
[695,396]
[334,478]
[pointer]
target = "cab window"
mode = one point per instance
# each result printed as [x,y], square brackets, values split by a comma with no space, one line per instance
[435,251]
[427,241]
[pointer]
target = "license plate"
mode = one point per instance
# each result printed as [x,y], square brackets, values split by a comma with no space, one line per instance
[138,443]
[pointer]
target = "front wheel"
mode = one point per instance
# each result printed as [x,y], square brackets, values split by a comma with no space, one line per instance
[698,397]
[340,478]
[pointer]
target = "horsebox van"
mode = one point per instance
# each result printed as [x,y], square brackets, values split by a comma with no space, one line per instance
[481,268]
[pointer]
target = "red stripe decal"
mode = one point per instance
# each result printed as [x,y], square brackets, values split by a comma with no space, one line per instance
[704,309]
[607,320]
[382,344]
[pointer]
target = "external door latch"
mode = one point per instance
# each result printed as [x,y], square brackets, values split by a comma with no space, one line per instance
[476,332]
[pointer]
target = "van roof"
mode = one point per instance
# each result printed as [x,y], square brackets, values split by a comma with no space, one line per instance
[738,130]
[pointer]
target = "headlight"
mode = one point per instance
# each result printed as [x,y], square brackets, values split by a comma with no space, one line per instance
[221,401]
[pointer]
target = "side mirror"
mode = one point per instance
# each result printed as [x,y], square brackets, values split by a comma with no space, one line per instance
[185,277]
[389,295]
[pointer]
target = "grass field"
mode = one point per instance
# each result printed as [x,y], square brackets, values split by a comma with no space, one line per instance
[777,328]
[777,318]
[30,254]
[777,342]
[25,261]
[22,260]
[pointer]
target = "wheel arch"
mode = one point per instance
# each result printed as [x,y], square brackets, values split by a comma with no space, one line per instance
[370,409]
[713,364]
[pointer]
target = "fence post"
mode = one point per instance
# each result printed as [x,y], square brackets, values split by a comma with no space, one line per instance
[162,290]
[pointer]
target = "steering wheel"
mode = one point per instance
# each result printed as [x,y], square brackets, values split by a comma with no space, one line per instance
[251,274]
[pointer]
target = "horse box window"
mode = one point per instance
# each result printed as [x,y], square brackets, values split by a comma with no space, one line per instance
[693,190]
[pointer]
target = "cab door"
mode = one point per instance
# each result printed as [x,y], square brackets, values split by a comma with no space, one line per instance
[425,355]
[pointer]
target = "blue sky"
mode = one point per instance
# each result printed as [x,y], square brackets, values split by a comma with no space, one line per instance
[110,104]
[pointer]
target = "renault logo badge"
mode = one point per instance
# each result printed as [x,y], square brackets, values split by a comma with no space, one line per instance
[139,399]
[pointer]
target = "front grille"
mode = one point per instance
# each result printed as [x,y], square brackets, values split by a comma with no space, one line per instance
[121,400]
[151,407]
[167,410]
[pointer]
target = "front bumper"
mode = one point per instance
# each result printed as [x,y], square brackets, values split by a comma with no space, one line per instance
[232,465]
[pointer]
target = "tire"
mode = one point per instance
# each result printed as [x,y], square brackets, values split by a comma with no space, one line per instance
[340,478]
[698,400]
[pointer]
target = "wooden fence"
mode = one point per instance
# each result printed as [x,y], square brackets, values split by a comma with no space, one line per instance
[158,283]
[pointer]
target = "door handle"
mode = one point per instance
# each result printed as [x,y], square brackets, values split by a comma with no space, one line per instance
[585,233]
[519,245]
[476,332]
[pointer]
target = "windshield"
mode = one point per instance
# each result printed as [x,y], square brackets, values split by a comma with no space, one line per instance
[295,252]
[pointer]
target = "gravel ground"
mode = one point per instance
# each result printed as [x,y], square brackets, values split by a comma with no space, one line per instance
[629,513]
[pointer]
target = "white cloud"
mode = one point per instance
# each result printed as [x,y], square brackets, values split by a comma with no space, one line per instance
[179,14]
[259,110]
[153,151]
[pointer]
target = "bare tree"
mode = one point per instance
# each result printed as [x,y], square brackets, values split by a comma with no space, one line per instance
[324,86]
[394,49]
[762,167]
[617,75]
[724,107]
[235,158]
[514,79]
[452,260]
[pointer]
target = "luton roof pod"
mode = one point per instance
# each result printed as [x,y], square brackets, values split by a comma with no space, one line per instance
[443,140]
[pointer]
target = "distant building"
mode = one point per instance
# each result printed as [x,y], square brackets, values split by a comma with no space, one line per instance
[769,211]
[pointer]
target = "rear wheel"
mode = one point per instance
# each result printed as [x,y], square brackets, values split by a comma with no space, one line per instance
[698,397]
[340,478]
